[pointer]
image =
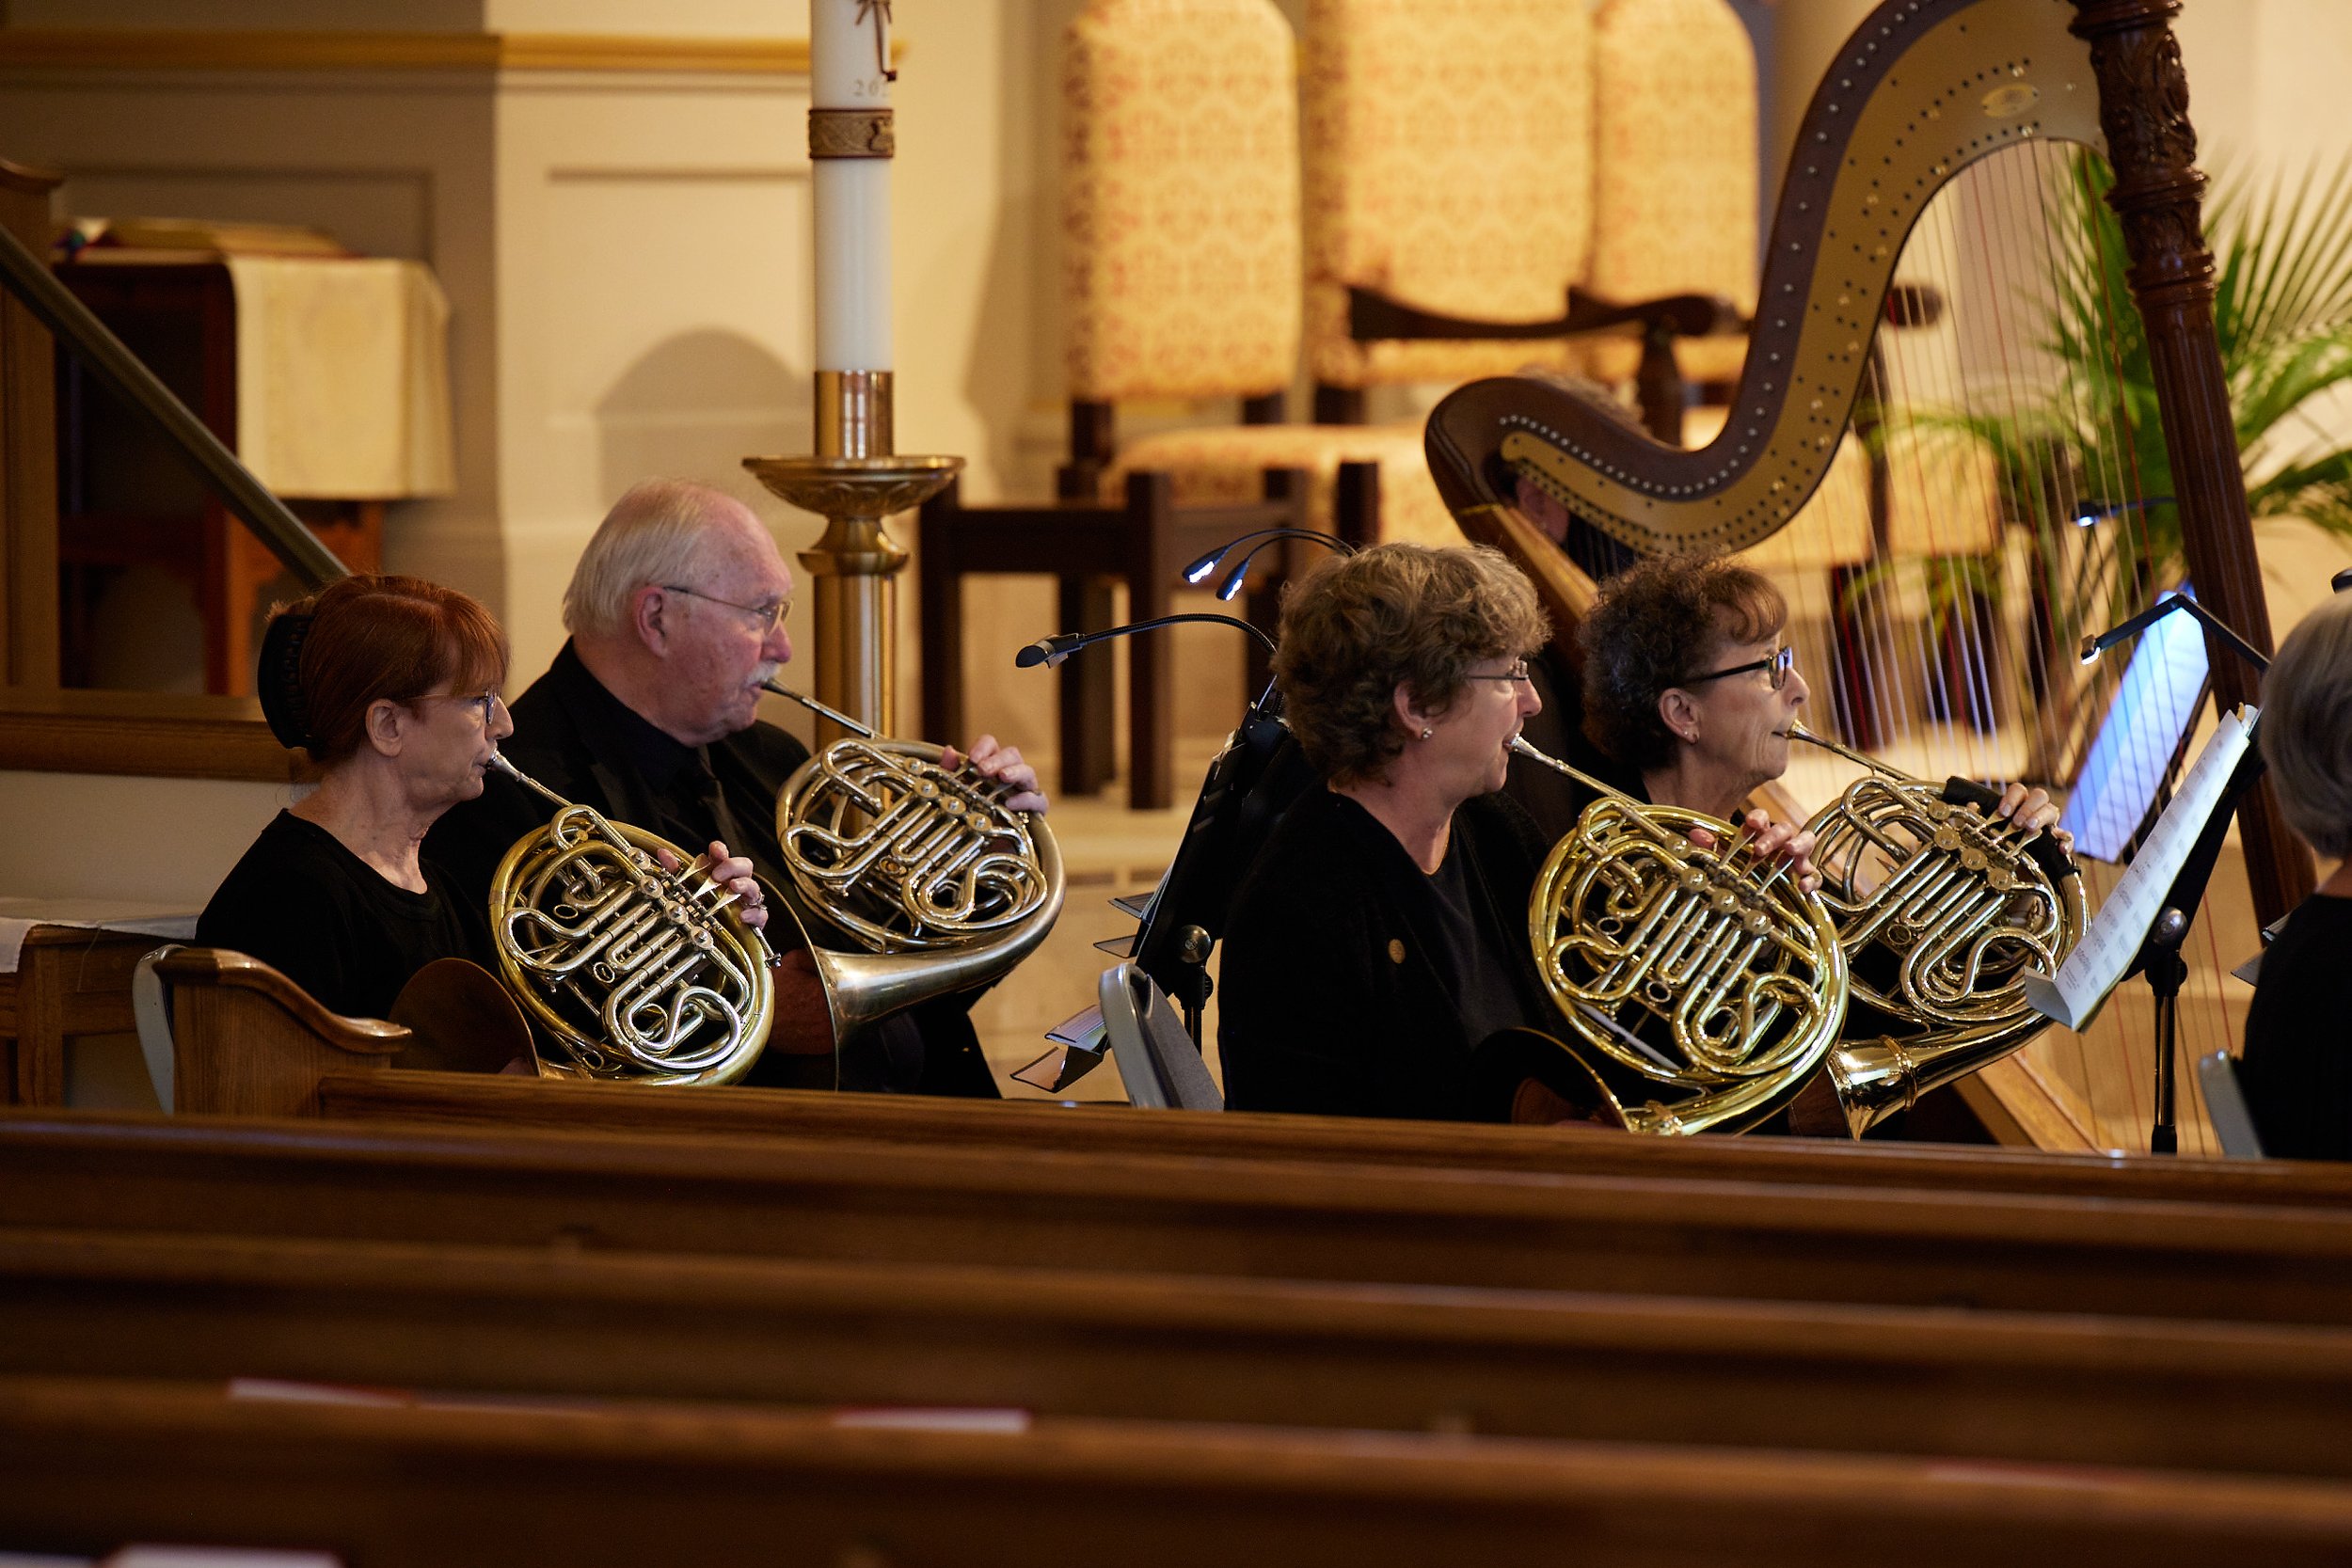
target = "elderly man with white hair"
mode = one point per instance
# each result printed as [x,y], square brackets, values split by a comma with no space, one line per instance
[650,715]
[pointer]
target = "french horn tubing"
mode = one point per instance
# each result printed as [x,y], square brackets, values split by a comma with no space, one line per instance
[1701,987]
[1942,912]
[629,969]
[910,880]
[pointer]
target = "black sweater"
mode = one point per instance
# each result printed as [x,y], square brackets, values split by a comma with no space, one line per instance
[2296,1073]
[305,905]
[1335,994]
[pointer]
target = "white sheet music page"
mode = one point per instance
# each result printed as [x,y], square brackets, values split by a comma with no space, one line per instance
[2108,948]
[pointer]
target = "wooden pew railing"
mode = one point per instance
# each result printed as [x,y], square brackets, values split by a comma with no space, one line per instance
[1151,1214]
[250,1043]
[465,1100]
[91,1463]
[2001,1386]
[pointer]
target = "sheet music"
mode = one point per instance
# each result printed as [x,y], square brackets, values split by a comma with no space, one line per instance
[2108,948]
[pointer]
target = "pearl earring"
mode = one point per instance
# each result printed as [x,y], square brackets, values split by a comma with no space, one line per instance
[1426,734]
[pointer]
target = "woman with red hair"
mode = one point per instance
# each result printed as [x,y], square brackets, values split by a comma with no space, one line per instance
[391,684]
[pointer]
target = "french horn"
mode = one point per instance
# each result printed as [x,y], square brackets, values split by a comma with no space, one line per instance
[1942,912]
[910,880]
[627,969]
[1700,985]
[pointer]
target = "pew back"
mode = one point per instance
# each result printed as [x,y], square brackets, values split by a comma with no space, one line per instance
[1794,1376]
[474,1101]
[1144,1213]
[92,1463]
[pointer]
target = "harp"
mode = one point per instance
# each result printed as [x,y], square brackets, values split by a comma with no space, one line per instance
[1944,158]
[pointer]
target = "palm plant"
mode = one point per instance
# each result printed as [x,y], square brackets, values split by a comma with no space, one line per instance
[2282,317]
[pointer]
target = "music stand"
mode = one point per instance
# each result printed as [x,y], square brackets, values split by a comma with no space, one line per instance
[2072,1000]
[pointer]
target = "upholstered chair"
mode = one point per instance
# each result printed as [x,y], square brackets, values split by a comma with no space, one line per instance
[1181,219]
[1180,280]
[1455,167]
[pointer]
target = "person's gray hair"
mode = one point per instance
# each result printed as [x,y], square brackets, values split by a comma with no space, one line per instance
[655,533]
[2307,727]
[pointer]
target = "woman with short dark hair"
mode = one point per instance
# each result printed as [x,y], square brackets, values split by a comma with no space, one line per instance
[1381,935]
[391,684]
[2296,1071]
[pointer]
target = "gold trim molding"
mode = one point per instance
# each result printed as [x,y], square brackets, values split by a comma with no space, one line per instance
[147,48]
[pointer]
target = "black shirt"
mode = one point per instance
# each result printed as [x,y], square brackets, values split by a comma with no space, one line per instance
[1472,951]
[2297,1071]
[302,903]
[1342,982]
[579,740]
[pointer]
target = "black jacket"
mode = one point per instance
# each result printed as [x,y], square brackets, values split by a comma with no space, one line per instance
[1329,998]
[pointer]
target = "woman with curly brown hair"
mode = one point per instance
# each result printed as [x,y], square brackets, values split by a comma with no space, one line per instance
[1380,934]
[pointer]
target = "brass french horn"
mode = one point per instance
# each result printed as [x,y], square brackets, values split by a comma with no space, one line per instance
[1942,912]
[629,969]
[1701,987]
[910,880]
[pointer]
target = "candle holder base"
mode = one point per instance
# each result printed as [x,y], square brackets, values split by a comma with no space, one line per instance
[853,567]
[862,488]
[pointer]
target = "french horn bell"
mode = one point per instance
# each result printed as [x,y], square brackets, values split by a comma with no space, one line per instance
[1942,912]
[909,879]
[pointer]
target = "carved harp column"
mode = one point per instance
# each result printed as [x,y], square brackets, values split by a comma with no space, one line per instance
[2143,110]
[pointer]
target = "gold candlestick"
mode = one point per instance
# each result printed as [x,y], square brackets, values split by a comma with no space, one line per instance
[856,482]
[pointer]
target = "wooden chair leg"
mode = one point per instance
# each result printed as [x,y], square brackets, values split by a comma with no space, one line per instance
[1151,664]
[1356,503]
[1087,692]
[1263,603]
[1657,386]
[940,616]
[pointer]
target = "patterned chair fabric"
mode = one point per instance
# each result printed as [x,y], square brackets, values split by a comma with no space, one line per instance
[1227,466]
[1674,191]
[1449,153]
[1180,199]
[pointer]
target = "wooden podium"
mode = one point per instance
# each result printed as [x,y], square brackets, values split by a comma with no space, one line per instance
[124,497]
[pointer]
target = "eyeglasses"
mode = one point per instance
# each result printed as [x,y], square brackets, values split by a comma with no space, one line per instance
[1516,673]
[1779,665]
[484,703]
[768,615]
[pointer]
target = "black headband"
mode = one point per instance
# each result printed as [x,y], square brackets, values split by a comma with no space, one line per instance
[279,679]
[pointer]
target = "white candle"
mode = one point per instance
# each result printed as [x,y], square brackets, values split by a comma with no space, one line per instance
[849,48]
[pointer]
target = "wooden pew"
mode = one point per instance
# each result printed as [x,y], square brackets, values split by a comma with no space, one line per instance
[2007,1386]
[1151,1214]
[461,1099]
[250,1043]
[91,1463]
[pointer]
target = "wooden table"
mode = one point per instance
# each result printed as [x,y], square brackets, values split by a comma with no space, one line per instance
[70,981]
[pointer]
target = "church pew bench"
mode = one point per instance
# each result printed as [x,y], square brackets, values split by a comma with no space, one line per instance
[1154,1214]
[2009,1386]
[389,1485]
[479,1100]
[252,1044]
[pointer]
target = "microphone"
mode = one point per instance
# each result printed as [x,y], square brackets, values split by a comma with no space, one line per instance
[1051,651]
[1201,570]
[1048,651]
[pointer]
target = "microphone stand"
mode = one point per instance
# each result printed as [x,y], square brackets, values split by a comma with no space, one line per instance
[1249,787]
[1187,910]
[2159,958]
